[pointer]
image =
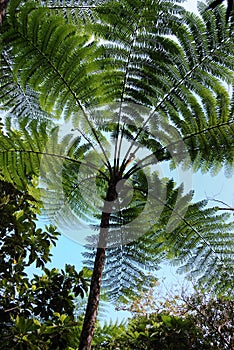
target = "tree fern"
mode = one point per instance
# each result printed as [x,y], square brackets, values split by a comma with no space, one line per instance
[131,76]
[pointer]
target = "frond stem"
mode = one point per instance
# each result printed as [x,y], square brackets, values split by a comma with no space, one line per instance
[134,35]
[88,164]
[138,166]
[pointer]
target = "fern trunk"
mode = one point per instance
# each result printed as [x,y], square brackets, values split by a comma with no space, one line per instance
[93,301]
[95,286]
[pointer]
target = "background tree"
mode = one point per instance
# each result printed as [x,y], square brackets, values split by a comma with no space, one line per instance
[114,70]
[31,308]
[214,316]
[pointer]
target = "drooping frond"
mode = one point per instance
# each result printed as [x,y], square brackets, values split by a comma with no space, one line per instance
[194,237]
[207,253]
[20,155]
[16,101]
[29,150]
[63,167]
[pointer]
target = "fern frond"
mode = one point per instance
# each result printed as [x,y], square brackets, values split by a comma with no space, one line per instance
[205,242]
[16,101]
[180,82]
[192,236]
[52,51]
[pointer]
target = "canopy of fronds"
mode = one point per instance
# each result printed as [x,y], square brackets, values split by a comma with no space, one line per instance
[139,83]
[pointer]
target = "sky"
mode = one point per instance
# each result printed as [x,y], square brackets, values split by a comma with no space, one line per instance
[206,187]
[191,5]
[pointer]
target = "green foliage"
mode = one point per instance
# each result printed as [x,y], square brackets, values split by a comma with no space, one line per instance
[157,331]
[37,312]
[106,335]
[22,243]
[163,332]
[31,334]
[57,291]
[182,82]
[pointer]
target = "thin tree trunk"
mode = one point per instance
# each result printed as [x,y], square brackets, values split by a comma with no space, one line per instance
[95,286]
[93,301]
